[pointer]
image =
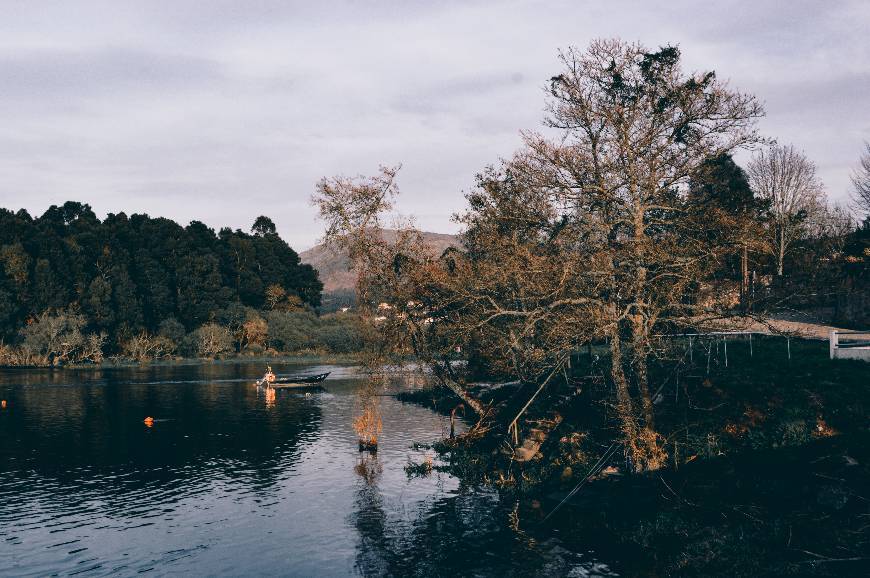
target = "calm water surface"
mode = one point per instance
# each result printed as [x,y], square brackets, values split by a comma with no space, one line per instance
[228,482]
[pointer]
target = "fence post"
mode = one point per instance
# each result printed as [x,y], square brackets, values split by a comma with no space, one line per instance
[750,345]
[788,346]
[725,343]
[834,342]
[709,351]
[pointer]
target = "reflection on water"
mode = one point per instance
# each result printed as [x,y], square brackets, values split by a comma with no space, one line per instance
[230,479]
[270,396]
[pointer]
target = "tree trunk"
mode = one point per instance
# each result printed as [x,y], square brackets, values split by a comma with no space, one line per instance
[460,392]
[781,253]
[744,279]
[624,405]
[639,365]
[641,443]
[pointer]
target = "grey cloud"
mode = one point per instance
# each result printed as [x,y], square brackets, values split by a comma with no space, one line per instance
[826,98]
[61,73]
[444,95]
[224,110]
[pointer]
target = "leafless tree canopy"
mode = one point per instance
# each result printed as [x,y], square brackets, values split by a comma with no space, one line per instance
[787,179]
[861,182]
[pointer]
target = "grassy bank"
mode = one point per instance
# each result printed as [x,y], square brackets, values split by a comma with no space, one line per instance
[300,357]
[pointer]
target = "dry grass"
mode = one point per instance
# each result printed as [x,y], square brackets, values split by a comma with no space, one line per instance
[368,425]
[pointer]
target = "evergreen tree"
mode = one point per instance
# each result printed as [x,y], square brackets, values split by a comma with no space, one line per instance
[126,274]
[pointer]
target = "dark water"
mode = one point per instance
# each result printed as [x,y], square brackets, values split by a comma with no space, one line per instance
[229,482]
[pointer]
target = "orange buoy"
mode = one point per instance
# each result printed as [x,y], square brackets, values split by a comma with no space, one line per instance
[149,421]
[3,404]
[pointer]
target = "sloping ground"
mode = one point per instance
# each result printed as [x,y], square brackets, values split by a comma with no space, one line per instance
[333,267]
[767,467]
[797,324]
[539,432]
[793,511]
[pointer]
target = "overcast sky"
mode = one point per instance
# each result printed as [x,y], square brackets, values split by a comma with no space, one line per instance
[221,111]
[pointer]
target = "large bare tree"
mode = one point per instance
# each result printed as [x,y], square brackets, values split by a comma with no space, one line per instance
[786,178]
[861,182]
[589,235]
[634,128]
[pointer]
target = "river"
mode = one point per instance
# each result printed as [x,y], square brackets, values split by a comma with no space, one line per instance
[229,482]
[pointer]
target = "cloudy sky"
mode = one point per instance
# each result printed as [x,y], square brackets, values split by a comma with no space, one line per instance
[221,111]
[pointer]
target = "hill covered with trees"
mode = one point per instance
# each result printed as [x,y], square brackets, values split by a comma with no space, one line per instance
[334,268]
[73,287]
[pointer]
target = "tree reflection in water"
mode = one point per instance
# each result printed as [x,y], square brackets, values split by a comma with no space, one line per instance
[471,532]
[370,519]
[86,441]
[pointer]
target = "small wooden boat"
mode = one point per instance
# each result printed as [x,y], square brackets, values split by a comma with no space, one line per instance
[298,386]
[294,381]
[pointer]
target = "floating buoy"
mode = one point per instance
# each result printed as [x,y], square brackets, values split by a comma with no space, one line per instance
[3,404]
[149,421]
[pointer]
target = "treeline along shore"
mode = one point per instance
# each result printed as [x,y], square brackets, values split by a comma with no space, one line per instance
[77,289]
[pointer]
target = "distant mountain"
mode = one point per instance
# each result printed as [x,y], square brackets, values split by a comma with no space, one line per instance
[333,267]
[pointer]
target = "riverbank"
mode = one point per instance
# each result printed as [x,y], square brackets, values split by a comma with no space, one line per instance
[767,461]
[302,358]
[788,511]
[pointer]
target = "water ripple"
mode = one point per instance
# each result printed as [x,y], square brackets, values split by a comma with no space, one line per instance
[226,483]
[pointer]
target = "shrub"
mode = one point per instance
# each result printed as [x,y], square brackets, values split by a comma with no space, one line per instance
[340,334]
[56,338]
[173,330]
[143,347]
[255,332]
[92,348]
[212,340]
[10,355]
[292,330]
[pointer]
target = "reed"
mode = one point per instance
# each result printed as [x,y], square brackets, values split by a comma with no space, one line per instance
[368,426]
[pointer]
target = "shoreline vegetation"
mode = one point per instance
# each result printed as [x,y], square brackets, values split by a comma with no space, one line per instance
[59,339]
[301,357]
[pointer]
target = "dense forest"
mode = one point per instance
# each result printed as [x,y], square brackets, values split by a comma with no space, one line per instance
[75,288]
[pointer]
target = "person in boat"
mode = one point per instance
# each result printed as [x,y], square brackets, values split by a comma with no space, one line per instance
[269,378]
